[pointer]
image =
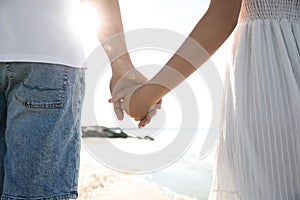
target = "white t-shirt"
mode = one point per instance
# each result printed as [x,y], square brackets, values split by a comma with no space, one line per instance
[39,31]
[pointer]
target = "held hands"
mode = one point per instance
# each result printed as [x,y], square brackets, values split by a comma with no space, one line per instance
[131,94]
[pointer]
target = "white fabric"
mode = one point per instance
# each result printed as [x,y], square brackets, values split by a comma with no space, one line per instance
[258,156]
[39,31]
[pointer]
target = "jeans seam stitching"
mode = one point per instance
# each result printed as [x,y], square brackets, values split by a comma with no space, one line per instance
[72,194]
[9,72]
[9,76]
[2,88]
[63,89]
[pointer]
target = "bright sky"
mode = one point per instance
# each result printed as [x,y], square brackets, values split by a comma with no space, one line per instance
[175,15]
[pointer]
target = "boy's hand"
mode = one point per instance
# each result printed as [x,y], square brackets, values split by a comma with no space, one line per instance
[123,82]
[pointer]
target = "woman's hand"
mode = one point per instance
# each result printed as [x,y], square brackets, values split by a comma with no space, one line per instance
[122,85]
[139,102]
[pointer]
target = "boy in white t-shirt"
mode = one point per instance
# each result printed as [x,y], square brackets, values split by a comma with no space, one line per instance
[41,93]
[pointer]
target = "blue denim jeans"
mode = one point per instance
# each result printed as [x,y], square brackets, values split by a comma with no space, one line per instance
[40,108]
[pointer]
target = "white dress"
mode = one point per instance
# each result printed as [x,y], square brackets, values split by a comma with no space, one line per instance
[258,156]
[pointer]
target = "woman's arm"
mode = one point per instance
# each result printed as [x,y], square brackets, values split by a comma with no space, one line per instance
[207,36]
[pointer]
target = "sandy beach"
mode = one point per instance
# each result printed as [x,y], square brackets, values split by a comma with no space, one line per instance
[97,182]
[186,179]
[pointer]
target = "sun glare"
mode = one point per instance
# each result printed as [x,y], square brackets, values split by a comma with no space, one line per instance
[85,21]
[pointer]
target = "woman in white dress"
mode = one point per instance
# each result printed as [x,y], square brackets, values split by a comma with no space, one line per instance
[258,156]
[258,151]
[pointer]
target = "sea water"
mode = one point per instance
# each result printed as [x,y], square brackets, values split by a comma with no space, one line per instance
[185,179]
[189,178]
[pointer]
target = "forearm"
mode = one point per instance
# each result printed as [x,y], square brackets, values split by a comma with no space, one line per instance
[207,36]
[110,33]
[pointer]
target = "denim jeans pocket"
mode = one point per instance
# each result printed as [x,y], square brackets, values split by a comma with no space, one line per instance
[43,87]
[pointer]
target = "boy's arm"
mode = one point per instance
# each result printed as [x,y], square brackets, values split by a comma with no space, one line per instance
[110,33]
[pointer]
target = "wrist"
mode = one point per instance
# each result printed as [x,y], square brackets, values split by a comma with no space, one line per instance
[121,65]
[155,91]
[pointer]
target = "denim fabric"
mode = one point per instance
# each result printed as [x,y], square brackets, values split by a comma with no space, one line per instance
[40,108]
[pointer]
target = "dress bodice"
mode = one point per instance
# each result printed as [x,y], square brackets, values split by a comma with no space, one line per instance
[270,9]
